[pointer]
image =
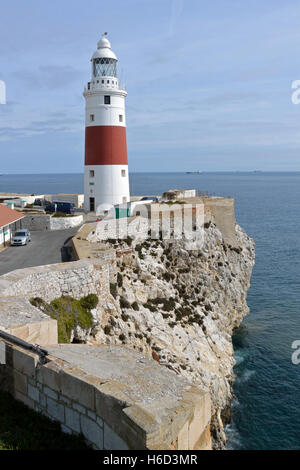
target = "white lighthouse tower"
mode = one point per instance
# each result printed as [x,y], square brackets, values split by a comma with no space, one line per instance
[106,167]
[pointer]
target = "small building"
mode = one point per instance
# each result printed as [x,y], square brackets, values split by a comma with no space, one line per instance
[177,194]
[19,200]
[76,199]
[10,220]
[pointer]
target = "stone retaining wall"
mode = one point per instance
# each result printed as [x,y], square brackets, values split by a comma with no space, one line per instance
[104,410]
[36,222]
[42,222]
[76,279]
[63,223]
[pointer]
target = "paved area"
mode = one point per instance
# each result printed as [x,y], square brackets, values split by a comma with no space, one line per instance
[44,248]
[143,380]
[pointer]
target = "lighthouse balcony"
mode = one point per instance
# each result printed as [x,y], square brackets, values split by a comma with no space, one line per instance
[104,84]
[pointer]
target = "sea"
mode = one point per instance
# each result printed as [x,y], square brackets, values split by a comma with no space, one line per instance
[266,406]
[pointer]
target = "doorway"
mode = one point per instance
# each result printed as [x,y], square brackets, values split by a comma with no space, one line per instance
[92,204]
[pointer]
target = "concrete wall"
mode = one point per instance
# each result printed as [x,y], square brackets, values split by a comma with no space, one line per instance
[5,235]
[59,392]
[102,409]
[63,223]
[37,222]
[117,398]
[76,279]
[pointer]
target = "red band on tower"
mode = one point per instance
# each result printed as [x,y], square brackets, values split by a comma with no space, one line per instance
[105,145]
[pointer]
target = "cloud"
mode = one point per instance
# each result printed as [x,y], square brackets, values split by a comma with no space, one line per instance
[49,76]
[176,11]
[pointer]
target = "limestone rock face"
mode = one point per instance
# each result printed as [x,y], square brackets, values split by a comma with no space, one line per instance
[179,301]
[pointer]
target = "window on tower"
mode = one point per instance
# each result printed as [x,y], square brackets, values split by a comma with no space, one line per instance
[120,118]
[92,117]
[106,99]
[123,172]
[104,67]
[92,173]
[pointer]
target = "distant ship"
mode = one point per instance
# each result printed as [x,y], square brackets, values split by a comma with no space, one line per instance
[193,172]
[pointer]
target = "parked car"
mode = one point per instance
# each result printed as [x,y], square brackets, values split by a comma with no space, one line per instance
[65,207]
[149,198]
[41,202]
[21,237]
[38,202]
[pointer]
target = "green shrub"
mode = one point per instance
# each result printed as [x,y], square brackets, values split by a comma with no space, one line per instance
[184,270]
[68,313]
[37,302]
[62,214]
[167,276]
[119,280]
[124,303]
[135,306]
[150,307]
[113,290]
[107,329]
[89,302]
[128,240]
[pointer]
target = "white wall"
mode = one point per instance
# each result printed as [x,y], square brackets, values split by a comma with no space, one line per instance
[62,223]
[110,187]
[7,236]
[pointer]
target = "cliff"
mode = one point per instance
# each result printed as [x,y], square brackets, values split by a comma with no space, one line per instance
[179,302]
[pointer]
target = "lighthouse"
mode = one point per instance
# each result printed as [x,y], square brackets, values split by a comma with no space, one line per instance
[106,181]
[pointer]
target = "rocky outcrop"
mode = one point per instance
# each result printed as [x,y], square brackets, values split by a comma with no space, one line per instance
[179,302]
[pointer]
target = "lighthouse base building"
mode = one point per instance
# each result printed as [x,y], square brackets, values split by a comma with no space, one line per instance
[106,180]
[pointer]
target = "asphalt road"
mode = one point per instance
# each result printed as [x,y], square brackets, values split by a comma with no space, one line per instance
[44,248]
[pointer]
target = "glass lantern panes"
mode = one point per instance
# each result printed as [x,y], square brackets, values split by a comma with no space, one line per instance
[105,67]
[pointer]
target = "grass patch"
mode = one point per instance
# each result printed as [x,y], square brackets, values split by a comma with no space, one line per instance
[69,313]
[25,429]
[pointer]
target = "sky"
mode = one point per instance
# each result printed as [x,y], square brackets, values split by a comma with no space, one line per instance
[209,83]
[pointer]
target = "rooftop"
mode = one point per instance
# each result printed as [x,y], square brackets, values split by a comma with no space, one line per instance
[9,216]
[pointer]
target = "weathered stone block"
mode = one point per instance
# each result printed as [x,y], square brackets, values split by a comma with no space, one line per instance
[23,398]
[202,415]
[183,438]
[92,431]
[76,389]
[112,441]
[64,400]
[72,419]
[50,393]
[25,362]
[43,400]
[204,443]
[79,408]
[56,410]
[92,415]
[49,375]
[66,430]
[33,393]
[20,382]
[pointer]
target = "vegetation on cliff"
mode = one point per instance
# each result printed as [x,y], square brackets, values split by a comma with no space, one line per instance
[179,301]
[69,313]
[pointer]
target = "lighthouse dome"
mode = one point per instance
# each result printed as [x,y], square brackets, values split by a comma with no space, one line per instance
[104,42]
[104,60]
[104,50]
